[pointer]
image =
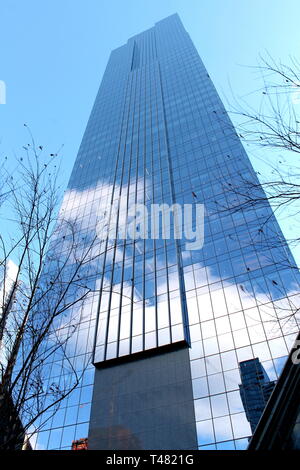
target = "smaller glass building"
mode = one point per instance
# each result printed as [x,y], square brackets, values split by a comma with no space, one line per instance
[255,389]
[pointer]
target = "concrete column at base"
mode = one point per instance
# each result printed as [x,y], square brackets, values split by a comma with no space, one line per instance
[144,402]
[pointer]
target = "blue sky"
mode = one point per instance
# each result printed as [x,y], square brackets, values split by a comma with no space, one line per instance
[54,53]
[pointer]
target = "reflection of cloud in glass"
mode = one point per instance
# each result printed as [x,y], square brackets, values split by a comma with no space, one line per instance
[205,432]
[226,318]
[222,428]
[224,315]
[241,426]
[157,310]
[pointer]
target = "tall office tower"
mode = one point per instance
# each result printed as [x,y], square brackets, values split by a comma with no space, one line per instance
[255,389]
[172,320]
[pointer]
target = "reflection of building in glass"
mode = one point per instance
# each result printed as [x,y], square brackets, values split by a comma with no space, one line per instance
[255,389]
[172,325]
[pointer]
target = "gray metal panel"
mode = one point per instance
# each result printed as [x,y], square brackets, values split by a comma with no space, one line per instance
[145,403]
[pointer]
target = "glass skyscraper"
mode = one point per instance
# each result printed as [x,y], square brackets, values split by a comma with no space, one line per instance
[168,326]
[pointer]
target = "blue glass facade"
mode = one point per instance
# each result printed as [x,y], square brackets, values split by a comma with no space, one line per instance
[159,133]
